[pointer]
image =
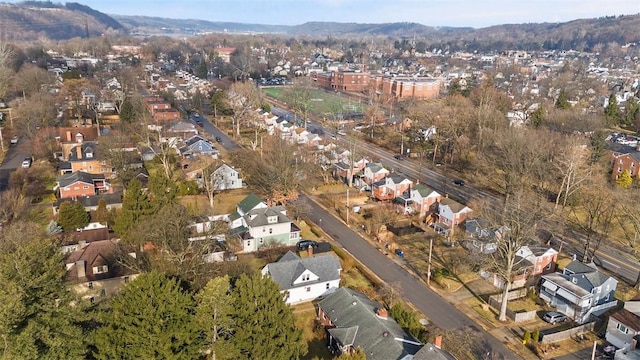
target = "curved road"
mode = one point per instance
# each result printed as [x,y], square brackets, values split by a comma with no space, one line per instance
[438,310]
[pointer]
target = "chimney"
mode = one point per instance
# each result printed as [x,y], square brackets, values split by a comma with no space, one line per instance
[79,151]
[382,313]
[81,270]
[68,136]
[438,342]
[310,251]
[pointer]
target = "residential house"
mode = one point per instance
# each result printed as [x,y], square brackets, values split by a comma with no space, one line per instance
[451,214]
[226,177]
[258,225]
[300,136]
[83,156]
[90,203]
[433,351]
[81,184]
[352,321]
[346,168]
[75,240]
[627,158]
[96,270]
[424,199]
[579,291]
[392,187]
[374,172]
[623,327]
[543,258]
[180,129]
[198,145]
[307,279]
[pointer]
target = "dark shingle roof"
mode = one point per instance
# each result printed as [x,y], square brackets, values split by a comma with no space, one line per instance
[260,216]
[578,267]
[78,176]
[381,339]
[627,318]
[290,267]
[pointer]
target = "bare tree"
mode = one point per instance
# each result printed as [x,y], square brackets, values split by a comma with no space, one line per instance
[298,97]
[515,226]
[7,55]
[13,205]
[572,164]
[244,99]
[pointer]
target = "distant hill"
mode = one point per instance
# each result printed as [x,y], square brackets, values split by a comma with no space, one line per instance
[31,20]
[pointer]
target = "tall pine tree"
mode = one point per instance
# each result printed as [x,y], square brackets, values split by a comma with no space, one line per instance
[135,206]
[213,317]
[562,102]
[37,320]
[265,327]
[72,216]
[612,110]
[151,318]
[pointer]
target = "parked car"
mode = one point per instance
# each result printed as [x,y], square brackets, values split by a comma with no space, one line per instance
[218,139]
[26,163]
[305,244]
[400,253]
[553,317]
[15,139]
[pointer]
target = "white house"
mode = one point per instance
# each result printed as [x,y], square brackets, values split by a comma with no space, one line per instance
[226,177]
[305,279]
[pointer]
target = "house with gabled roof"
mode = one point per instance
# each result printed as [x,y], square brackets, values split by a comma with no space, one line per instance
[451,214]
[305,279]
[95,270]
[226,177]
[579,291]
[198,145]
[391,187]
[424,199]
[623,327]
[258,225]
[80,183]
[374,172]
[353,321]
[180,129]
[83,156]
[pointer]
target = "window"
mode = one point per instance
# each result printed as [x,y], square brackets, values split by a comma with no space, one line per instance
[126,280]
[90,285]
[548,266]
[67,188]
[308,288]
[89,155]
[327,286]
[100,269]
[84,163]
[623,329]
[261,241]
[91,299]
[270,231]
[248,243]
[574,280]
[85,187]
[90,168]
[306,277]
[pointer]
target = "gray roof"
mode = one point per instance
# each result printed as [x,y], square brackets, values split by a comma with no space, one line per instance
[248,203]
[397,178]
[88,147]
[260,216]
[381,339]
[375,167]
[431,352]
[289,268]
[578,267]
[78,176]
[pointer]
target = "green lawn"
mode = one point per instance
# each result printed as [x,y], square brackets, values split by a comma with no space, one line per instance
[323,102]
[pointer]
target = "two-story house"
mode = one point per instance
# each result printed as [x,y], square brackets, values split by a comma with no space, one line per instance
[305,279]
[579,291]
[226,177]
[81,184]
[543,258]
[451,214]
[83,156]
[198,145]
[424,199]
[258,225]
[625,158]
[353,321]
[391,187]
[374,172]
[623,327]
[95,270]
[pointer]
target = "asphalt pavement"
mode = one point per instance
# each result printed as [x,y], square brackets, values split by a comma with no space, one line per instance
[437,309]
[12,161]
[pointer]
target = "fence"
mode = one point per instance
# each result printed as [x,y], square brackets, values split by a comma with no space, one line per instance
[566,334]
[516,316]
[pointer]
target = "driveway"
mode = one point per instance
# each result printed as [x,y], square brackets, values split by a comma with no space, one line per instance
[438,310]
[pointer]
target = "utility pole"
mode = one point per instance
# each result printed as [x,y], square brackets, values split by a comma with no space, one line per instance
[429,267]
[1,140]
[348,207]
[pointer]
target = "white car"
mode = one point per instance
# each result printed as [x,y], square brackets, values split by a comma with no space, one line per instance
[14,140]
[26,163]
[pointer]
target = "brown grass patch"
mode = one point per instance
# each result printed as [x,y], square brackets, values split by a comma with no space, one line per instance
[313,335]
[226,202]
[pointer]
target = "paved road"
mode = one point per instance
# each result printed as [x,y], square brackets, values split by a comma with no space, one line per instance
[12,161]
[210,129]
[432,305]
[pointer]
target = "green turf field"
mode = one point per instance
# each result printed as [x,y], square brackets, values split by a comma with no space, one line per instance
[322,102]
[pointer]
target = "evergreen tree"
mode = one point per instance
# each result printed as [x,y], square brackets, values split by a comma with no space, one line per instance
[213,316]
[127,111]
[37,320]
[536,335]
[201,70]
[632,113]
[624,180]
[135,206]
[562,102]
[72,216]
[151,318]
[53,228]
[102,213]
[265,325]
[162,191]
[612,110]
[537,117]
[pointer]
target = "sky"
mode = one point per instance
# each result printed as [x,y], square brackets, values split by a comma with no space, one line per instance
[459,13]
